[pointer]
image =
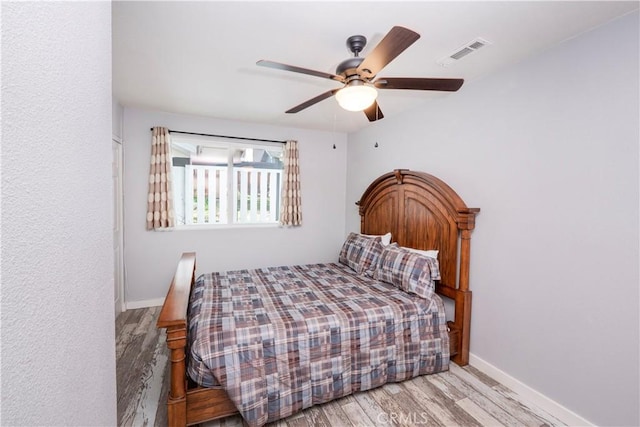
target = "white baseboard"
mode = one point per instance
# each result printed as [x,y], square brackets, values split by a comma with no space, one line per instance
[529,394]
[130,305]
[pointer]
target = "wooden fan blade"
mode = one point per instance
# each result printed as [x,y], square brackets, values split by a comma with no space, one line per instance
[449,85]
[312,101]
[392,45]
[279,66]
[373,112]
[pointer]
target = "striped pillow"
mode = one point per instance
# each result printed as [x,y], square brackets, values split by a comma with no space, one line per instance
[409,271]
[433,253]
[361,253]
[371,256]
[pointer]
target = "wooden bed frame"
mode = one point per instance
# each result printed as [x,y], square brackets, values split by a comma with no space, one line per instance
[419,210]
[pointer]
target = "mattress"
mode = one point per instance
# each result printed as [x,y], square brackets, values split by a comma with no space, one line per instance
[282,339]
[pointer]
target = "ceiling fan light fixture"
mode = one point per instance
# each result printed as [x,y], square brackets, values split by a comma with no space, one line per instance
[356,96]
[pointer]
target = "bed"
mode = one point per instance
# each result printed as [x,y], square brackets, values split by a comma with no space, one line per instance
[421,212]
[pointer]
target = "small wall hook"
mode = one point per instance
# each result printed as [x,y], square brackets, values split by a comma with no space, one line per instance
[376,145]
[334,146]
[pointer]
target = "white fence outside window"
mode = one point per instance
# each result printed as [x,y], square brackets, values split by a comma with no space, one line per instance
[255,195]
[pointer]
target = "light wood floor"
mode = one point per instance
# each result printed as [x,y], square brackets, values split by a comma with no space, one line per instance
[460,397]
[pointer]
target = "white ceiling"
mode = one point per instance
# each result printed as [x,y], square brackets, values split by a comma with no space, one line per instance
[199,57]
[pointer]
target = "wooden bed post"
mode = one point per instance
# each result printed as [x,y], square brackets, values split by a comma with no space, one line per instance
[463,323]
[173,317]
[177,402]
[463,296]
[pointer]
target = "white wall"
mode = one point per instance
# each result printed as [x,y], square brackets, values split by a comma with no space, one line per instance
[58,341]
[548,149]
[151,257]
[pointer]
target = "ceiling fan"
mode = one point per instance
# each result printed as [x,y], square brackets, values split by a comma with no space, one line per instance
[357,74]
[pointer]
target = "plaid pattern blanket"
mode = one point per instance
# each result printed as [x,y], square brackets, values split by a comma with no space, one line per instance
[282,339]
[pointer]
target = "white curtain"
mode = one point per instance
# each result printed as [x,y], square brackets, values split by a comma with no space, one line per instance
[160,213]
[291,214]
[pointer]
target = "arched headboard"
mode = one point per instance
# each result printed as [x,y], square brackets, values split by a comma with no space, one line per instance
[423,212]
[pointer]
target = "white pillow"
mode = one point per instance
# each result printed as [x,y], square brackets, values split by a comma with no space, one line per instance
[430,253]
[386,239]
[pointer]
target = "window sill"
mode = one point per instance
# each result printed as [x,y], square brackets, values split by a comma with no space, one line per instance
[200,227]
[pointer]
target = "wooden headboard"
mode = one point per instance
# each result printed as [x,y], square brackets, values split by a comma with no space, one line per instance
[423,212]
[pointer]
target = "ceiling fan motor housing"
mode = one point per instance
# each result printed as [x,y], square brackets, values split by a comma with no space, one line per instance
[348,67]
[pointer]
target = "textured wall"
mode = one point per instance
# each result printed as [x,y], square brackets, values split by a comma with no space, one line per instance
[548,149]
[323,174]
[58,355]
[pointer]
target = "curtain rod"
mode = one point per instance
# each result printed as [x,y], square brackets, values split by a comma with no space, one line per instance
[225,136]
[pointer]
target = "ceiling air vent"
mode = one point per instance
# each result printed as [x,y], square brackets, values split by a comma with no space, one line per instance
[463,51]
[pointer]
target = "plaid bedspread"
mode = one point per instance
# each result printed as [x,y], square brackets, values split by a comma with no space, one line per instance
[281,339]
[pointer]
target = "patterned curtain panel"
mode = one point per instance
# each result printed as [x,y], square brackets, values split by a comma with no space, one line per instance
[160,214]
[291,201]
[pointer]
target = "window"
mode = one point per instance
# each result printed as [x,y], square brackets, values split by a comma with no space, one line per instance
[219,182]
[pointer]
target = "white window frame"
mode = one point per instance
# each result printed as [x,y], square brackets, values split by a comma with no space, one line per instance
[262,185]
